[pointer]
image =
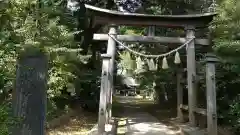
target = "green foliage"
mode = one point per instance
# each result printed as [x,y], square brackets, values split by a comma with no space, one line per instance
[127,62]
[7,121]
[226,33]
[28,28]
[227,23]
[234,111]
[4,118]
[53,111]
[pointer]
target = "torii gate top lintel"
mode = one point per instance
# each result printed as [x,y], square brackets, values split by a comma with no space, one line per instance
[105,16]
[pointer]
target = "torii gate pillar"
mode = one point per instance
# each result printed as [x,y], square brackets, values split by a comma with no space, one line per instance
[111,50]
[191,75]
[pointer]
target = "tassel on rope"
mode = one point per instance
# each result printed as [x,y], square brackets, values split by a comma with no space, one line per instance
[177,58]
[154,84]
[128,55]
[165,64]
[139,64]
[138,61]
[152,65]
[149,64]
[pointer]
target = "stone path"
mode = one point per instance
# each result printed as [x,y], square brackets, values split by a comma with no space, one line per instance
[145,124]
[139,122]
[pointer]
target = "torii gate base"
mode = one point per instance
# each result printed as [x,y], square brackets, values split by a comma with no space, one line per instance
[110,129]
[187,22]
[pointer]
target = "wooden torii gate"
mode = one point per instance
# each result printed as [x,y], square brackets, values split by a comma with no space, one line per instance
[187,22]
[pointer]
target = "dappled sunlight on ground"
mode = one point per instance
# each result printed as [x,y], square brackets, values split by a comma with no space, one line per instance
[122,129]
[144,123]
[148,128]
[141,118]
[77,125]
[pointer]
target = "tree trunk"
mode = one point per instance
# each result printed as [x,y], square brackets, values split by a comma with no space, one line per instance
[29,95]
